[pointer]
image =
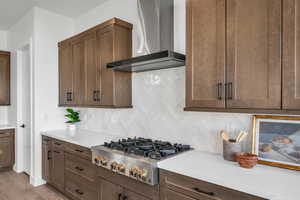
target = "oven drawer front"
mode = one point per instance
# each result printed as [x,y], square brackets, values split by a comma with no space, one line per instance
[80,189]
[79,151]
[198,189]
[80,166]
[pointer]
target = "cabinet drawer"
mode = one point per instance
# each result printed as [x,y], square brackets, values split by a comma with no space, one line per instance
[199,189]
[58,144]
[79,151]
[81,167]
[79,189]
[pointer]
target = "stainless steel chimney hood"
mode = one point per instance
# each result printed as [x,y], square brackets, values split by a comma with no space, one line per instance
[156,31]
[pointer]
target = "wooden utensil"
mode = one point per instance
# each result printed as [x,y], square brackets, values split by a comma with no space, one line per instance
[241,136]
[225,135]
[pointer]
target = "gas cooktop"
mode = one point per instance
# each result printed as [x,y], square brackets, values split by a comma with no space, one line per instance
[136,157]
[147,148]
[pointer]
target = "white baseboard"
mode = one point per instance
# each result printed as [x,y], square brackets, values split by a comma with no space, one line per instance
[17,170]
[36,181]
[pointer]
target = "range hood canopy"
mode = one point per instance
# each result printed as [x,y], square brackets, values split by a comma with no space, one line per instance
[156,31]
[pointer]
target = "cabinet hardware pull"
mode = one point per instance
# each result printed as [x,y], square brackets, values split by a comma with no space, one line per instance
[79,192]
[120,196]
[79,168]
[94,95]
[219,91]
[203,192]
[48,156]
[230,95]
[71,96]
[80,151]
[98,95]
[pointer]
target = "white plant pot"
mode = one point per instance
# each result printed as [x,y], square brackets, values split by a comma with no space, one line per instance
[72,127]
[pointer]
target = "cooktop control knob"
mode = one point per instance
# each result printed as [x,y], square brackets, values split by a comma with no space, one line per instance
[113,166]
[101,161]
[121,168]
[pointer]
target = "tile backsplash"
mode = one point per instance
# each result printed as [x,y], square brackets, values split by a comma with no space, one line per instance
[158,101]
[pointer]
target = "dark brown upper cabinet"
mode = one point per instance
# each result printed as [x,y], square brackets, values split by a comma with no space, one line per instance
[205,53]
[234,55]
[84,79]
[4,78]
[291,55]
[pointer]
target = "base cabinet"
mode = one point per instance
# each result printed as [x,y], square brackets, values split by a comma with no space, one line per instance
[178,187]
[47,160]
[109,191]
[58,164]
[7,149]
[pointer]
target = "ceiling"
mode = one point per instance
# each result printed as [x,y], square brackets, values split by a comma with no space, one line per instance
[12,10]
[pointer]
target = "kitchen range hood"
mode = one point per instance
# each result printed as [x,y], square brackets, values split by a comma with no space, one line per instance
[156,38]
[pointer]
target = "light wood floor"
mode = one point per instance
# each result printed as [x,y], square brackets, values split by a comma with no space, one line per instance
[15,186]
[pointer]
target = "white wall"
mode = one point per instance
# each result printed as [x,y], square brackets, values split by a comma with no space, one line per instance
[158,96]
[45,29]
[3,47]
[49,29]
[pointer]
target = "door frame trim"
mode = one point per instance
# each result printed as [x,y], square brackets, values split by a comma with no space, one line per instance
[19,165]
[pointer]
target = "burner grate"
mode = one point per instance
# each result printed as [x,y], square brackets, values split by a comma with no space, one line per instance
[146,147]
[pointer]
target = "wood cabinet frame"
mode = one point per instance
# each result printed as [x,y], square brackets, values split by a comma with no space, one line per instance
[92,84]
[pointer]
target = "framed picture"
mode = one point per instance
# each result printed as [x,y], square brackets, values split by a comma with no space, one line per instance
[276,140]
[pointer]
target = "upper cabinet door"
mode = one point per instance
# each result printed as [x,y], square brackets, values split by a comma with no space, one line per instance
[4,78]
[205,53]
[105,55]
[254,54]
[65,74]
[291,54]
[92,70]
[78,71]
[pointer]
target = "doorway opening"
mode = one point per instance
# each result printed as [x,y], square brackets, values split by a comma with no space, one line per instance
[24,137]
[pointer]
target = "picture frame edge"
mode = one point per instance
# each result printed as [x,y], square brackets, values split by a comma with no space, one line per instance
[254,136]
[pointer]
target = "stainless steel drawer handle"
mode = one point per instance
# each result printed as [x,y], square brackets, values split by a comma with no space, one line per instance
[204,192]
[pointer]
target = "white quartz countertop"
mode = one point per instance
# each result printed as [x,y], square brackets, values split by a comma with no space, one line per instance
[83,138]
[6,126]
[264,181]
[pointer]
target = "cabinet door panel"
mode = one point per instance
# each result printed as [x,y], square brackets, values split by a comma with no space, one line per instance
[58,166]
[92,70]
[104,56]
[65,74]
[206,53]
[47,162]
[254,54]
[6,158]
[171,195]
[4,78]
[134,196]
[78,71]
[109,191]
[291,54]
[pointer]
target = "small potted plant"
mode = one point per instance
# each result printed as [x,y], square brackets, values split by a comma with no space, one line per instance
[73,118]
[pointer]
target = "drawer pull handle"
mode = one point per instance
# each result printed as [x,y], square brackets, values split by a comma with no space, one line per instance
[80,151]
[79,192]
[120,196]
[204,192]
[79,168]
